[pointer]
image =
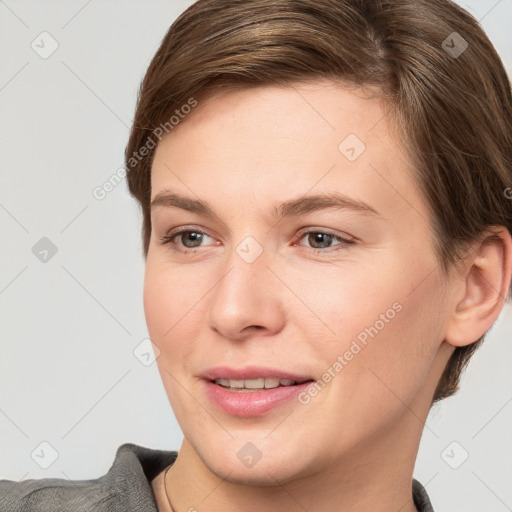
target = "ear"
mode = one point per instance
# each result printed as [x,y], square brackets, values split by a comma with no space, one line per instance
[484,286]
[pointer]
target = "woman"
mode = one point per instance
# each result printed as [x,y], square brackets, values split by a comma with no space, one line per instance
[325,194]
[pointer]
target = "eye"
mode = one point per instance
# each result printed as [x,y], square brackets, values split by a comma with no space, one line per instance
[188,238]
[321,240]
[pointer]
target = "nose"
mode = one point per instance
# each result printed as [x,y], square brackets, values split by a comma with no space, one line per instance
[248,299]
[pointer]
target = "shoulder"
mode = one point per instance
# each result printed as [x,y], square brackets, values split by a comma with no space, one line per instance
[125,487]
[420,496]
[48,494]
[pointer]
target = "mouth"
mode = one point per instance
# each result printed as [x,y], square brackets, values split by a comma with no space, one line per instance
[252,390]
[257,384]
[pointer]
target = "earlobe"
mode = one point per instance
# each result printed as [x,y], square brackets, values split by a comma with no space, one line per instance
[485,287]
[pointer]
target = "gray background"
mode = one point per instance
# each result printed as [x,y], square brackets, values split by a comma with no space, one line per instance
[69,326]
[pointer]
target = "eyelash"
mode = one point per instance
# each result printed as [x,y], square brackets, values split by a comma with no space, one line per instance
[169,239]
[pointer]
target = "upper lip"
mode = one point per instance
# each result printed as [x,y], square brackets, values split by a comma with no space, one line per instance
[251,372]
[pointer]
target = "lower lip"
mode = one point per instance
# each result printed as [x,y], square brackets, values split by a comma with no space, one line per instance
[252,403]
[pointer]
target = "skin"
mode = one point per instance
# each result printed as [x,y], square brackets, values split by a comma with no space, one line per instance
[299,304]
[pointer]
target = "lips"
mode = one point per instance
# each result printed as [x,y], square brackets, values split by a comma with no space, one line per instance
[251,402]
[253,390]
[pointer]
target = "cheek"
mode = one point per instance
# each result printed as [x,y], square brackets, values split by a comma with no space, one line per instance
[401,345]
[157,303]
[378,364]
[170,294]
[172,325]
[172,312]
[384,320]
[349,301]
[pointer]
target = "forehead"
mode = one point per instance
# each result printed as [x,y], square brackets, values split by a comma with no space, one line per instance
[274,142]
[315,109]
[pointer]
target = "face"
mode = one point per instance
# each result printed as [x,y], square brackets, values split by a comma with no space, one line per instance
[343,291]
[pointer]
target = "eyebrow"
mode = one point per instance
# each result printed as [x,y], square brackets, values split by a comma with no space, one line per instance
[293,207]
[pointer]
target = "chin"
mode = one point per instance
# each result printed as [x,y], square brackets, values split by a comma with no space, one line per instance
[263,474]
[262,462]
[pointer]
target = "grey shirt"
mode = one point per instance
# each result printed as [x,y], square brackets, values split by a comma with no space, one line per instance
[126,487]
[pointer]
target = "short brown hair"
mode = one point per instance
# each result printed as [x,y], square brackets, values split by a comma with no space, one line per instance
[452,103]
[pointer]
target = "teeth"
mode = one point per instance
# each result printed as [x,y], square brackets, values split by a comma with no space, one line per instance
[254,383]
[271,382]
[267,383]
